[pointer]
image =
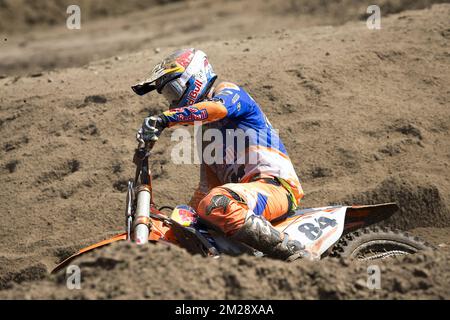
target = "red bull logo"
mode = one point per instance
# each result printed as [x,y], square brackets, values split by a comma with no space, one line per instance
[192,96]
[184,215]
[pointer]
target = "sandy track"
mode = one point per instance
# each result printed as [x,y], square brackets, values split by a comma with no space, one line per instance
[364,115]
[122,271]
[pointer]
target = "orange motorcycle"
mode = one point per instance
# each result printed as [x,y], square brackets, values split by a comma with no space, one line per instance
[344,231]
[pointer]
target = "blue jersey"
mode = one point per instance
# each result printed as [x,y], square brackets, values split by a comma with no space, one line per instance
[243,145]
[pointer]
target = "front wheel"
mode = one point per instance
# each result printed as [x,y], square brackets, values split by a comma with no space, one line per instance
[378,243]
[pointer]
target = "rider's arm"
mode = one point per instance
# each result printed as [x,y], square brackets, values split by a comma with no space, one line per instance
[226,103]
[204,112]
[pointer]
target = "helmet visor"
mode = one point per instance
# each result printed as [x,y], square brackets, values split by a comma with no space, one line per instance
[173,92]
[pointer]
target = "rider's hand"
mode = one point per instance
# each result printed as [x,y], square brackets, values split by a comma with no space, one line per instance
[151,129]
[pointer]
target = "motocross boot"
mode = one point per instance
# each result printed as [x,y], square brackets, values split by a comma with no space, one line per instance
[259,234]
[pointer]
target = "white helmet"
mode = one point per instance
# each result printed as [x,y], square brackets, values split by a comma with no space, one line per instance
[184,78]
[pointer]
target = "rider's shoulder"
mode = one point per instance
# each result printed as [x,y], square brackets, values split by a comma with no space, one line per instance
[225,85]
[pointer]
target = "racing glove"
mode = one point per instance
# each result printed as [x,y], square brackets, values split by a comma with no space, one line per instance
[152,128]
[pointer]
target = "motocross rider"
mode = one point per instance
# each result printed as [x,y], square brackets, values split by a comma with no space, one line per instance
[237,197]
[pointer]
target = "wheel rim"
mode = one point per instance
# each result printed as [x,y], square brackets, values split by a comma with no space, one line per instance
[382,249]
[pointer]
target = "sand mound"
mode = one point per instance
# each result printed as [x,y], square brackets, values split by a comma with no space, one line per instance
[166,272]
[421,203]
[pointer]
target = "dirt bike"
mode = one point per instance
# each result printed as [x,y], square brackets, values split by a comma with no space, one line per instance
[333,231]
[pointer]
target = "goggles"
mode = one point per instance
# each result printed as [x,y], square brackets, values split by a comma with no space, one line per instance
[172,91]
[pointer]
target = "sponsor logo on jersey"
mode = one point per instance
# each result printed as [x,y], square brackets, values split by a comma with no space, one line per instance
[192,96]
[235,98]
[193,115]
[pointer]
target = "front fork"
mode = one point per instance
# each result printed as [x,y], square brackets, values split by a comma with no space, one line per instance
[138,223]
[129,209]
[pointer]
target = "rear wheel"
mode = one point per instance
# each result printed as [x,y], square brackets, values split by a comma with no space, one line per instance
[378,243]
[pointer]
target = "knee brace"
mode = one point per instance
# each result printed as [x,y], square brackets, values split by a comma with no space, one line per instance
[217,201]
[220,209]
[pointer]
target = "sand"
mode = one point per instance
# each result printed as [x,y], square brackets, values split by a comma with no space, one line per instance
[364,115]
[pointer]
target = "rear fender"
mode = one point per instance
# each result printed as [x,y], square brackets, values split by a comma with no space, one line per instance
[317,229]
[362,216]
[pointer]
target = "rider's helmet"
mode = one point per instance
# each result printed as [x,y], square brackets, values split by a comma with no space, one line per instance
[183,78]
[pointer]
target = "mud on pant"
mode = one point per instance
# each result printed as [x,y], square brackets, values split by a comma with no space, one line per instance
[227,206]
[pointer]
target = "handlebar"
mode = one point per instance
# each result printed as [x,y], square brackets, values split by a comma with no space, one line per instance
[144,147]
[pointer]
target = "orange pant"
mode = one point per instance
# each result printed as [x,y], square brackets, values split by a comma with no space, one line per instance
[221,208]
